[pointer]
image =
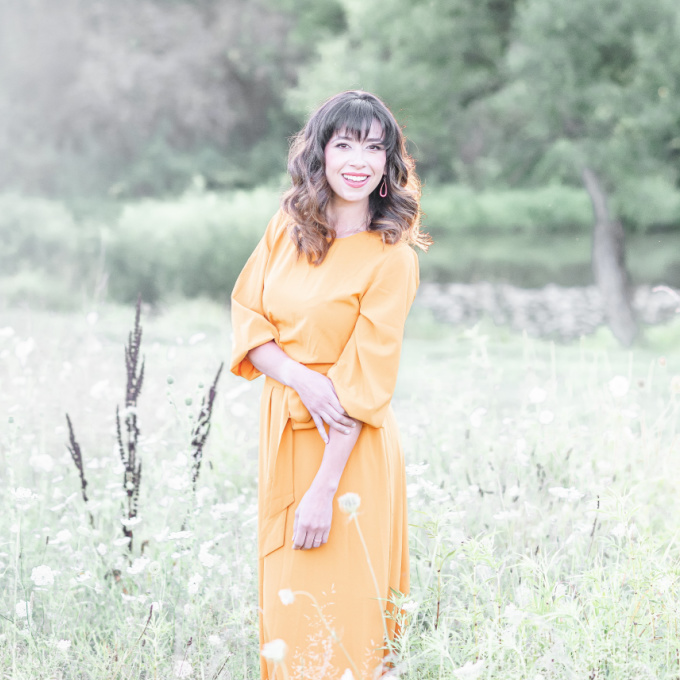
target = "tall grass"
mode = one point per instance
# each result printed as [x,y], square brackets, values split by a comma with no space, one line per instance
[543,502]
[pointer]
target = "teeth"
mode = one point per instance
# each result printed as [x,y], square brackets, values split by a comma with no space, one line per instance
[355,178]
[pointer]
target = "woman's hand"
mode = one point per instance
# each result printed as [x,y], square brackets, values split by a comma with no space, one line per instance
[318,395]
[313,519]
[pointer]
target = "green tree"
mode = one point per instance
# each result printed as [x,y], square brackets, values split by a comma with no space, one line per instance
[431,60]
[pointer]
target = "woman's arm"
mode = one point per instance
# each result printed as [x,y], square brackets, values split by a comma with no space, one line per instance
[315,390]
[315,511]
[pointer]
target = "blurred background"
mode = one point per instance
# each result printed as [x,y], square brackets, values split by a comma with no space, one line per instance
[143,143]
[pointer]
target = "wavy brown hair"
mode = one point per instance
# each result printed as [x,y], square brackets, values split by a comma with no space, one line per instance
[396,217]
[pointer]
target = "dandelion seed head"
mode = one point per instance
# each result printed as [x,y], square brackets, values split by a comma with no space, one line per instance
[275,650]
[182,669]
[349,503]
[618,386]
[42,575]
[538,395]
[286,596]
[476,416]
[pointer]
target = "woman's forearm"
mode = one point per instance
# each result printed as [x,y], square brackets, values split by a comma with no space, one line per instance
[271,360]
[335,457]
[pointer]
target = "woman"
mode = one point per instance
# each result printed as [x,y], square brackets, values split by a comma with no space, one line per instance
[319,308]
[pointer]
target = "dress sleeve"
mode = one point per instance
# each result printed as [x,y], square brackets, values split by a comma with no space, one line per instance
[250,327]
[365,375]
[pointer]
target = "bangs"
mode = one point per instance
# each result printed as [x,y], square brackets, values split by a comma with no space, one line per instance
[354,118]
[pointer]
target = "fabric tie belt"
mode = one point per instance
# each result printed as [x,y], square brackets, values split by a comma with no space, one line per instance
[285,412]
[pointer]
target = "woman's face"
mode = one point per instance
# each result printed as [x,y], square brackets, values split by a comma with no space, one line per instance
[355,168]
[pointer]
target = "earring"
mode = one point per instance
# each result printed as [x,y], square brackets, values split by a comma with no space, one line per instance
[383,188]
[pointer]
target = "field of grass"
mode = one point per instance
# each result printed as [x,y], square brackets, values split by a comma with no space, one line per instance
[543,499]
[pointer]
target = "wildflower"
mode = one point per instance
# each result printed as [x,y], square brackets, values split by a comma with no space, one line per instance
[138,566]
[476,416]
[349,503]
[470,671]
[154,568]
[513,614]
[23,609]
[23,494]
[570,494]
[409,606]
[41,462]
[537,395]
[618,386]
[347,675]
[122,541]
[415,470]
[194,584]
[546,417]
[675,384]
[130,521]
[287,596]
[42,576]
[214,640]
[182,669]
[102,549]
[63,645]
[180,534]
[275,650]
[63,536]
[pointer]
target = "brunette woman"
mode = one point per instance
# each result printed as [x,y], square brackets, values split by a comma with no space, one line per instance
[319,308]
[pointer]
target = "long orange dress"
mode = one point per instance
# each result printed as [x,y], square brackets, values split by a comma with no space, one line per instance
[344,318]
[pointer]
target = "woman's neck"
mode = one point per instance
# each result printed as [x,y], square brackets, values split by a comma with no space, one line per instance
[348,218]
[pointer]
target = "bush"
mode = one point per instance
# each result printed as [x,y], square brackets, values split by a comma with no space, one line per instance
[648,202]
[454,208]
[195,245]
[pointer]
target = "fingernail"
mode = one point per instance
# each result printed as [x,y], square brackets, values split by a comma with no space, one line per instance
[346,431]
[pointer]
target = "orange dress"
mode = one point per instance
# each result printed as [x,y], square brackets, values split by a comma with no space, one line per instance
[344,318]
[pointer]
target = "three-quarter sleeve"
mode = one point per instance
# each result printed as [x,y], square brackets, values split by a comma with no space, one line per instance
[365,375]
[250,326]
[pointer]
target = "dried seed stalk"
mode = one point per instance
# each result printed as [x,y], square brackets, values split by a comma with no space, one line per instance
[201,430]
[77,456]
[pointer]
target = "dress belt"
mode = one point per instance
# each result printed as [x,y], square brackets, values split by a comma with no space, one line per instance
[285,413]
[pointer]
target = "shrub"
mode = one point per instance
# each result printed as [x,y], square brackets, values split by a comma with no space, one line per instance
[195,245]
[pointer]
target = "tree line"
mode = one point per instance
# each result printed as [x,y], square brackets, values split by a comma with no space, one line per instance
[137,97]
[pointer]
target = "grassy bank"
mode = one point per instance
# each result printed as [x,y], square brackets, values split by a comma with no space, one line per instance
[541,494]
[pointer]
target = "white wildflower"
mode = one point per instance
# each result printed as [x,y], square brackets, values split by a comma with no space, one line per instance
[138,565]
[214,640]
[21,493]
[63,645]
[618,386]
[63,536]
[121,541]
[546,417]
[102,549]
[23,609]
[409,606]
[176,535]
[154,568]
[513,614]
[476,416]
[570,494]
[42,575]
[275,650]
[83,575]
[349,503]
[194,584]
[347,675]
[537,395]
[130,521]
[182,669]
[99,389]
[620,530]
[675,384]
[287,596]
[207,559]
[470,671]
[416,470]
[41,462]
[504,515]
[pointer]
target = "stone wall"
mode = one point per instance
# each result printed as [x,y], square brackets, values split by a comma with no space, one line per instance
[551,312]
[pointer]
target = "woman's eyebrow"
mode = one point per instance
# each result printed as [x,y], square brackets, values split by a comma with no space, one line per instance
[380,140]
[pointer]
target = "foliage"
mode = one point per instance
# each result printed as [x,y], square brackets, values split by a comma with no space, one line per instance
[539,493]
